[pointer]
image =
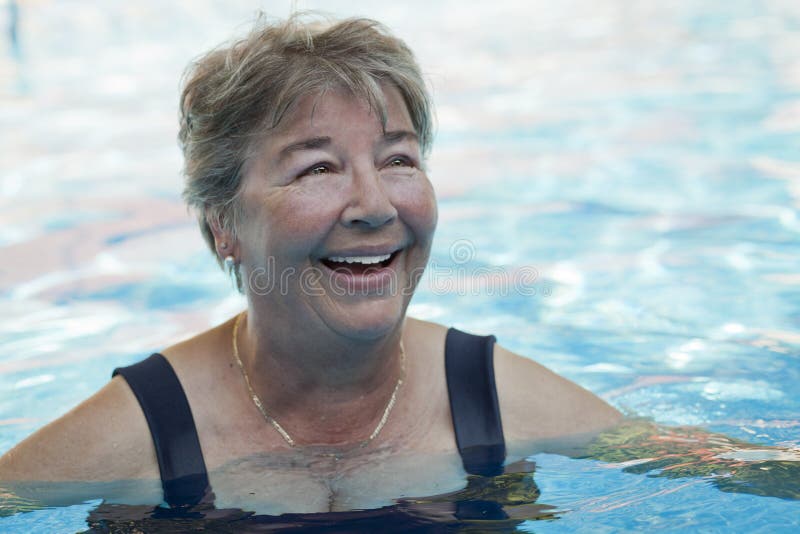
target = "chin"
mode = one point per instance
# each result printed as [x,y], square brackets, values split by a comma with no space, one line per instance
[368,321]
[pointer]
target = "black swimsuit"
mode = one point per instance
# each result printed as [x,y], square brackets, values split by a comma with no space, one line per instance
[469,367]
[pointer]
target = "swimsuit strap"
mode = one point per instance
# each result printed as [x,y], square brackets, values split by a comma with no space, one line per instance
[469,364]
[163,401]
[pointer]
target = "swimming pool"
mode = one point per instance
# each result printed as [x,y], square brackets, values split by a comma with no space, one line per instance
[628,175]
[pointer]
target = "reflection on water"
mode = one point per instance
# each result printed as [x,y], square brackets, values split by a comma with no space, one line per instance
[486,504]
[497,504]
[679,452]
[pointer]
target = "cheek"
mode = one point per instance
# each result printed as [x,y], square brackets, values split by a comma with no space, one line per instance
[420,210]
[288,217]
[304,211]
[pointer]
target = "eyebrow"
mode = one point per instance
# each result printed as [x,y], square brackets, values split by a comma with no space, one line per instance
[399,135]
[305,144]
[315,143]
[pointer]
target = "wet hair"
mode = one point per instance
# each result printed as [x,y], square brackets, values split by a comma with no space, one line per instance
[234,95]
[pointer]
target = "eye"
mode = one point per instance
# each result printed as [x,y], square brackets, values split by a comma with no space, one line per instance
[319,168]
[400,161]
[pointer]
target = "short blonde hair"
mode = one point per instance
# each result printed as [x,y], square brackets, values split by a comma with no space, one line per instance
[234,95]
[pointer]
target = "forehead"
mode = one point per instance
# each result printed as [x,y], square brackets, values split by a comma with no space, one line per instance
[340,110]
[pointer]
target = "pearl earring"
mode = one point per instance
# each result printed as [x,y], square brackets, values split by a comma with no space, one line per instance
[230,264]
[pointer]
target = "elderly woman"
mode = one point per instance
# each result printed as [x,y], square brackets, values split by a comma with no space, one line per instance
[305,148]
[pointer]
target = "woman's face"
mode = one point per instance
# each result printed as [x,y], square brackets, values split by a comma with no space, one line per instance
[338,216]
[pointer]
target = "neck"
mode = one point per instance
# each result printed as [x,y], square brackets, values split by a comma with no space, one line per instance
[323,390]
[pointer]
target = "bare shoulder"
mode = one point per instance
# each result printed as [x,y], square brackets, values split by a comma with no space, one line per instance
[106,437]
[431,335]
[539,406]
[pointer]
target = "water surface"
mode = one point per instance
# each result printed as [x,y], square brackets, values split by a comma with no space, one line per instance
[629,172]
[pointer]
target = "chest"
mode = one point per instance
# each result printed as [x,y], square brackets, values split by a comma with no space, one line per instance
[281,484]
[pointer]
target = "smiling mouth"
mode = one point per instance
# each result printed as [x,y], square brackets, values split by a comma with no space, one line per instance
[359,265]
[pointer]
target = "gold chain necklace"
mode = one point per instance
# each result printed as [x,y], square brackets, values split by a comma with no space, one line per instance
[271,420]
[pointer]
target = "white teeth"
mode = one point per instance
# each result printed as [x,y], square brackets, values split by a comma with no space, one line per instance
[359,259]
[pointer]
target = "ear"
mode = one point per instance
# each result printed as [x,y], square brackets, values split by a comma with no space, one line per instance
[224,241]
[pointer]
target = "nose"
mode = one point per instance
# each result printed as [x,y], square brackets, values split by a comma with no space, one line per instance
[370,206]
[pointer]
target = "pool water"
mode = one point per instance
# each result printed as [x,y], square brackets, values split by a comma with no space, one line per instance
[619,188]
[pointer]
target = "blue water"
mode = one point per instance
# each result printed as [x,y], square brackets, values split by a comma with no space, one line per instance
[633,169]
